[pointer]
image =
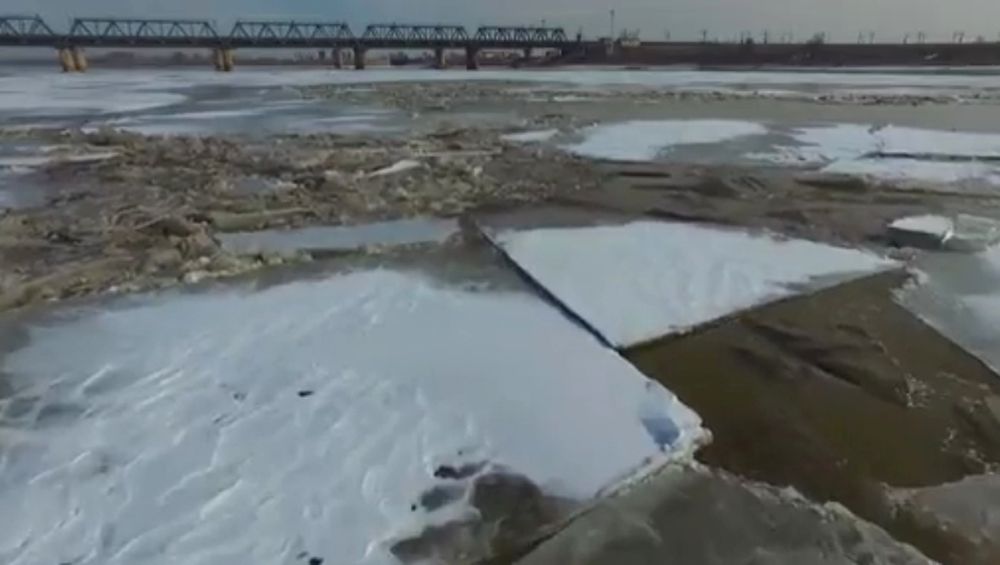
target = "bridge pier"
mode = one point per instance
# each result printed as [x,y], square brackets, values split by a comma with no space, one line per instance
[66,60]
[72,60]
[79,59]
[440,62]
[359,58]
[223,59]
[527,52]
[338,58]
[471,58]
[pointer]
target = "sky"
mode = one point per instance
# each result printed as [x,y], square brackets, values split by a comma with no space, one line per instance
[842,20]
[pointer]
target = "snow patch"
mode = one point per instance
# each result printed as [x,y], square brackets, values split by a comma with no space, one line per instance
[635,282]
[645,140]
[234,427]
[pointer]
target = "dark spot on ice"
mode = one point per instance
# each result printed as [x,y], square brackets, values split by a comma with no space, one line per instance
[440,495]
[305,393]
[315,561]
[239,396]
[302,555]
[413,508]
[662,429]
[460,472]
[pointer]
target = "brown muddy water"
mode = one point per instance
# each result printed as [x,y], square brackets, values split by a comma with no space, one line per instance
[839,395]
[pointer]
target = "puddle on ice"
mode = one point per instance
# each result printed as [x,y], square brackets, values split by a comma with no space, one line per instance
[338,238]
[234,425]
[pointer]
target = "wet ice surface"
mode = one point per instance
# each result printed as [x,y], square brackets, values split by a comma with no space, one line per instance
[181,102]
[241,425]
[20,161]
[959,295]
[329,238]
[635,282]
[282,117]
[645,140]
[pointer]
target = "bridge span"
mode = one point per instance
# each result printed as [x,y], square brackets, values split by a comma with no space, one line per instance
[32,31]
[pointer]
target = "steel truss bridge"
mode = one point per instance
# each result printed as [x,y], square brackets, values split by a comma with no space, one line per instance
[119,32]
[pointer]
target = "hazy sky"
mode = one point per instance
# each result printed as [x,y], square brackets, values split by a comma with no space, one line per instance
[683,18]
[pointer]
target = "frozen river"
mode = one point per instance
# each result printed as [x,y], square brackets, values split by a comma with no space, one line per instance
[327,412]
[254,100]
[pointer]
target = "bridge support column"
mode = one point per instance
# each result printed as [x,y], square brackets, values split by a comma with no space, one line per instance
[66,60]
[440,62]
[79,59]
[359,58]
[223,59]
[472,58]
[338,58]
[527,52]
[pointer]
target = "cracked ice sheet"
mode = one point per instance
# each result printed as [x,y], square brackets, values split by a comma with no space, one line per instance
[836,142]
[171,429]
[639,281]
[957,175]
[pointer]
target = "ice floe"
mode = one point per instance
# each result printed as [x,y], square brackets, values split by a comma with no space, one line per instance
[638,281]
[228,426]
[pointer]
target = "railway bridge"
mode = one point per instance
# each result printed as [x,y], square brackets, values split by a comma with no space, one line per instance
[33,31]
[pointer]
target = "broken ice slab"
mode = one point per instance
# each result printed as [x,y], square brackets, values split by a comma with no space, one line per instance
[973,233]
[639,281]
[959,233]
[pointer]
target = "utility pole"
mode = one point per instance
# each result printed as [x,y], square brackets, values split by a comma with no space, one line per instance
[612,34]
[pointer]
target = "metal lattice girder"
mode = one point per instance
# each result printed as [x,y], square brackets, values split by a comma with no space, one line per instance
[415,33]
[261,31]
[24,27]
[521,35]
[95,30]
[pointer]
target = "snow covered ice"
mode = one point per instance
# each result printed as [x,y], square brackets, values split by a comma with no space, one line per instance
[638,281]
[236,426]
